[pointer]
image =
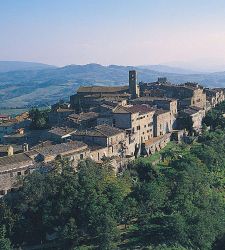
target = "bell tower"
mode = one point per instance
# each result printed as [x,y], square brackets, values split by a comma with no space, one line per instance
[133,86]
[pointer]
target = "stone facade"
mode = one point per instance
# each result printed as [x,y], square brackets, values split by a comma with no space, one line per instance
[163,122]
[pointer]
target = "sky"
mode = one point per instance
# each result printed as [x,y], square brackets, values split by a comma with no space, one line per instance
[186,33]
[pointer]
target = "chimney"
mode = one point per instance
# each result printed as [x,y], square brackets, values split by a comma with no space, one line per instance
[10,150]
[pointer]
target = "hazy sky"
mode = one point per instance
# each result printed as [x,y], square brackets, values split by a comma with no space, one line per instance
[126,32]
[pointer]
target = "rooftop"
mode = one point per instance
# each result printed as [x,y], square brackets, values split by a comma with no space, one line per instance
[61,131]
[191,110]
[62,148]
[103,130]
[83,116]
[161,111]
[150,98]
[8,162]
[102,89]
[138,108]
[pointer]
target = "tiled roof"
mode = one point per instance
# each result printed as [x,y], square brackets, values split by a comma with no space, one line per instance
[61,131]
[139,108]
[150,98]
[62,148]
[191,110]
[14,160]
[108,130]
[103,130]
[161,111]
[83,116]
[102,89]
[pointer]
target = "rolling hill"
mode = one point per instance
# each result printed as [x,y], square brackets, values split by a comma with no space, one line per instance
[25,88]
[7,66]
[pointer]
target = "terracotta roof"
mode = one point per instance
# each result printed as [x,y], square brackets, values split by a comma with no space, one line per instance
[102,89]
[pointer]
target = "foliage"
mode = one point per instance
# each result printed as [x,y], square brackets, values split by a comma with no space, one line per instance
[39,119]
[179,206]
[4,242]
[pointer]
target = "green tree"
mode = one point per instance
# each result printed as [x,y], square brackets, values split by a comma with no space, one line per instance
[4,242]
[39,119]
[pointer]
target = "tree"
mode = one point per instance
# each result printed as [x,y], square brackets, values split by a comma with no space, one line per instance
[4,242]
[39,119]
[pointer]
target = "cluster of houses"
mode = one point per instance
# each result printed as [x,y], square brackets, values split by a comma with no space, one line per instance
[116,123]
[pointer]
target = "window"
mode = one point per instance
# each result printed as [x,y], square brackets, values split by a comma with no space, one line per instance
[138,127]
[2,192]
[145,126]
[19,173]
[26,171]
[81,156]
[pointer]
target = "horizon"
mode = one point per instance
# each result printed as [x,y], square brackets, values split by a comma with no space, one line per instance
[189,35]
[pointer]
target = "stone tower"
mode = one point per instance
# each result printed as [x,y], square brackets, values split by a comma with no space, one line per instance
[133,86]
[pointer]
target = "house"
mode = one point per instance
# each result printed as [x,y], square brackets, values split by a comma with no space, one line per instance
[105,136]
[83,120]
[11,168]
[74,151]
[163,122]
[196,114]
[136,118]
[60,134]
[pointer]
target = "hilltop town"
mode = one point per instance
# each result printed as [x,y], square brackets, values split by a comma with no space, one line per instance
[114,123]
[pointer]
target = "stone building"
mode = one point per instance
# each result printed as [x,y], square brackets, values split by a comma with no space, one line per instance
[11,168]
[58,116]
[60,134]
[188,94]
[137,120]
[196,114]
[83,120]
[109,138]
[159,102]
[133,84]
[214,96]
[73,151]
[162,122]
[89,97]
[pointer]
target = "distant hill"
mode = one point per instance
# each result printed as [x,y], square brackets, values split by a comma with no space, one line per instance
[37,87]
[7,66]
[168,69]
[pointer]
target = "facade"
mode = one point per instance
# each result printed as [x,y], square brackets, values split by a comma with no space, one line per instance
[74,151]
[196,114]
[60,134]
[214,96]
[57,117]
[137,120]
[188,94]
[83,120]
[163,122]
[11,169]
